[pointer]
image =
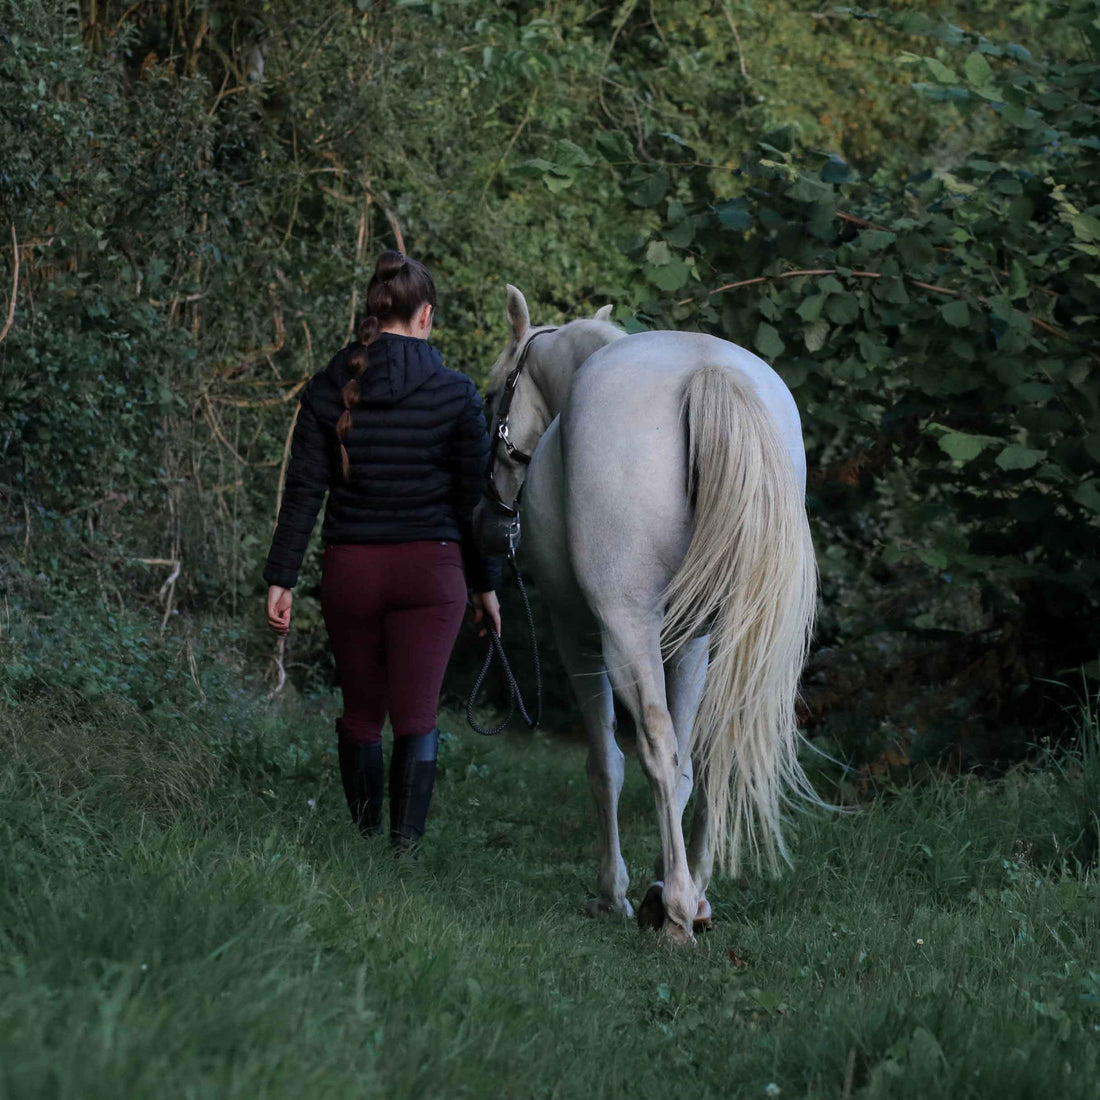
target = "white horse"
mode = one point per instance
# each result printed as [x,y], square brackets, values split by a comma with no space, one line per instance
[663,481]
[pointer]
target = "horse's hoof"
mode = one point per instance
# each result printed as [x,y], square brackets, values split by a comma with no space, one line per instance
[604,907]
[651,913]
[704,918]
[677,933]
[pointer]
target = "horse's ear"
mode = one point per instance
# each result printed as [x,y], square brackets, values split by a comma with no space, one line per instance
[519,318]
[604,313]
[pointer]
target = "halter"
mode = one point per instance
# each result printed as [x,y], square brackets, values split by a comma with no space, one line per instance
[500,433]
[492,494]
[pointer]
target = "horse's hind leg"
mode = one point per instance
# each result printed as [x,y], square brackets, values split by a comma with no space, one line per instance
[584,663]
[701,860]
[685,678]
[632,652]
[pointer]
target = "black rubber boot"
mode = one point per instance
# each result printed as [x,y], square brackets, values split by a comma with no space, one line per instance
[363,774]
[412,776]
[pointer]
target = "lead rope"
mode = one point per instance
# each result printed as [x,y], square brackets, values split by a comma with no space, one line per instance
[495,647]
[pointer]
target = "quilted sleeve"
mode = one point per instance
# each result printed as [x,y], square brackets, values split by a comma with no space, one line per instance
[471,465]
[306,484]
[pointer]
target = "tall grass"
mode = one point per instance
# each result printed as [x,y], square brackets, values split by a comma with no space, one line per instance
[187,911]
[185,914]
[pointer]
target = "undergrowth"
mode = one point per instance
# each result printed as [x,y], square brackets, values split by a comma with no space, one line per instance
[187,910]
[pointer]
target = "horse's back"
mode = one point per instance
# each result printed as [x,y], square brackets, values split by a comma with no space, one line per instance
[644,375]
[624,450]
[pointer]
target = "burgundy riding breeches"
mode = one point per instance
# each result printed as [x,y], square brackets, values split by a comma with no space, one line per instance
[393,612]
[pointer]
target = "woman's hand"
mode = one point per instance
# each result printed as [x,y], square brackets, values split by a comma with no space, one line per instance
[278,608]
[486,604]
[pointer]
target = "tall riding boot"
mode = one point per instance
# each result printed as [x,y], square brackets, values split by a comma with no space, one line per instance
[412,776]
[363,774]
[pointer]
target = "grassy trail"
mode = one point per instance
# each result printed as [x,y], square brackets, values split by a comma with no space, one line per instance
[188,914]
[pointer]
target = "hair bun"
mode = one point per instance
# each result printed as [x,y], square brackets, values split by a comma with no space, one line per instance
[389,264]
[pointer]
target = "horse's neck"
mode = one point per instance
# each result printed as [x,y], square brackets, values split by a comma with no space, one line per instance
[570,347]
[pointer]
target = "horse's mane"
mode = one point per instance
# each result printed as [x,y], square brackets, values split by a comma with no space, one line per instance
[589,335]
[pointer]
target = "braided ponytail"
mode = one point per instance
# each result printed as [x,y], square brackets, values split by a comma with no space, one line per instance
[399,287]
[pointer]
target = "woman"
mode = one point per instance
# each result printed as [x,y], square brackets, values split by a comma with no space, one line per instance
[399,442]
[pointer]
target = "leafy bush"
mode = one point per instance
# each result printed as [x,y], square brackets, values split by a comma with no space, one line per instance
[941,335]
[197,192]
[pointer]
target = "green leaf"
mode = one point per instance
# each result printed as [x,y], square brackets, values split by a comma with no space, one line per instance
[875,240]
[651,190]
[794,374]
[835,170]
[934,559]
[815,334]
[735,215]
[658,253]
[768,306]
[1020,211]
[556,183]
[615,146]
[810,308]
[1019,115]
[872,348]
[915,250]
[670,276]
[680,236]
[675,139]
[962,447]
[1032,392]
[1088,494]
[571,155]
[808,190]
[536,166]
[768,342]
[1017,283]
[892,290]
[842,309]
[893,553]
[1015,457]
[1085,227]
[940,71]
[956,313]
[978,71]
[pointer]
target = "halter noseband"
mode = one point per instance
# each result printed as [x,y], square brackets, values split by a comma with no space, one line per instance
[500,432]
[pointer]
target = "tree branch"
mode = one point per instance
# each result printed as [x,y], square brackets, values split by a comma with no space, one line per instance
[508,148]
[737,38]
[1038,322]
[14,284]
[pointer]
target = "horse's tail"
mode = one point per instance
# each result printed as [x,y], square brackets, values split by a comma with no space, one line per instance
[750,580]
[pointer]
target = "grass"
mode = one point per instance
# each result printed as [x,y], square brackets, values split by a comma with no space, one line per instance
[186,911]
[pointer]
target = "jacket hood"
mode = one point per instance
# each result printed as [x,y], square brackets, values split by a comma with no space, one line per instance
[396,366]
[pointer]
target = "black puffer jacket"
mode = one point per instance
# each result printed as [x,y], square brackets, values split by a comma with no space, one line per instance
[418,453]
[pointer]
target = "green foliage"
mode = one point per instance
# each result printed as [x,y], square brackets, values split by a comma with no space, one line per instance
[943,328]
[199,190]
[195,234]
